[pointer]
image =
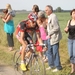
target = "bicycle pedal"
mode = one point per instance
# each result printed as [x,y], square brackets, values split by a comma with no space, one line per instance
[27,68]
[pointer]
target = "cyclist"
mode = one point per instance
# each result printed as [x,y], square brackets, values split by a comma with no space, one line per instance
[24,30]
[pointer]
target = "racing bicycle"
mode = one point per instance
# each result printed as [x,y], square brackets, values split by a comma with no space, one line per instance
[34,62]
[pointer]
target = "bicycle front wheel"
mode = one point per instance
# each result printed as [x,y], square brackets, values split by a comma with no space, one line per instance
[17,62]
[37,66]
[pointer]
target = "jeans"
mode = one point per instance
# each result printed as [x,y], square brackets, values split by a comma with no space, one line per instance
[53,55]
[45,42]
[71,50]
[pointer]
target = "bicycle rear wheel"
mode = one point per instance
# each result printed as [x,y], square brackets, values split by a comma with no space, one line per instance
[37,66]
[17,61]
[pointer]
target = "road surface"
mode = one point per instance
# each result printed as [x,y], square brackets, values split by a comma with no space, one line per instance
[6,70]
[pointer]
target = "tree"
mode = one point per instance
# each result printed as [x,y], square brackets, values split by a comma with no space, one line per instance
[58,9]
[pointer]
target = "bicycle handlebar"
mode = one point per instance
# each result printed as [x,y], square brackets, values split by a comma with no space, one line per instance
[30,45]
[33,45]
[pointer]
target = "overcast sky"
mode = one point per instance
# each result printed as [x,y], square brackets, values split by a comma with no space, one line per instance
[27,4]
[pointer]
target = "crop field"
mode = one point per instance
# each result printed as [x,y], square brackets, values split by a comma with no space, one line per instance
[63,17]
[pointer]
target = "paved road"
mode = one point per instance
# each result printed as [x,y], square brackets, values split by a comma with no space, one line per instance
[6,70]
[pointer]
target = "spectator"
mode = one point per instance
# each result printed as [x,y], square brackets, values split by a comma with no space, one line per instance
[9,27]
[35,10]
[53,43]
[70,28]
[42,23]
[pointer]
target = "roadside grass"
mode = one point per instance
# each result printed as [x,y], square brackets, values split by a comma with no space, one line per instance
[7,57]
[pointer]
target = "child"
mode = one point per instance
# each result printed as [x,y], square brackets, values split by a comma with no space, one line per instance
[35,10]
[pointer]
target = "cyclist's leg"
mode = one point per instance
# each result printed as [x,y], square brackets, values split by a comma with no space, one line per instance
[23,66]
[23,42]
[23,51]
[28,38]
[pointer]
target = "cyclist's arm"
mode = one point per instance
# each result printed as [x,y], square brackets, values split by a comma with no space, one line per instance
[39,38]
[22,38]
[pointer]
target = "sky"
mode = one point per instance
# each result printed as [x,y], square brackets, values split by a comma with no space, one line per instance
[27,4]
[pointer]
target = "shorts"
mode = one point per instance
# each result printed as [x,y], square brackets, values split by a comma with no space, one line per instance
[28,38]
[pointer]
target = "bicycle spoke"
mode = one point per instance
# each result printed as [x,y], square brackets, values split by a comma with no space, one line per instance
[37,66]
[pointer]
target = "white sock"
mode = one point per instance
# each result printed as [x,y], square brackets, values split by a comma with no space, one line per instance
[22,61]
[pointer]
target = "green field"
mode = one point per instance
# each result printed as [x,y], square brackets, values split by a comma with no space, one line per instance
[5,55]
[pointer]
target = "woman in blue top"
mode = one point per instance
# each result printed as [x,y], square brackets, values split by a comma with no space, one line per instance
[9,26]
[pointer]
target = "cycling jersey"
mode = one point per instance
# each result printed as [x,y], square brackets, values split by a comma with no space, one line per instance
[23,27]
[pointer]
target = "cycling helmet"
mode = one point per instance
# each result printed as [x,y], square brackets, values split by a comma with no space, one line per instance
[32,17]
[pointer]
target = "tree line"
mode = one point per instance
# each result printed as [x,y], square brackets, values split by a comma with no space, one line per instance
[58,9]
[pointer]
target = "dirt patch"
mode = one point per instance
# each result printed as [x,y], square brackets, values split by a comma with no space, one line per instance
[4,68]
[7,70]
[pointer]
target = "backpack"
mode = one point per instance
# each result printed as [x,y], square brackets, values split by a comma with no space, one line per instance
[12,13]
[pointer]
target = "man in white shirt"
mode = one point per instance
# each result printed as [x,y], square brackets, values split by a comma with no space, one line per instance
[54,33]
